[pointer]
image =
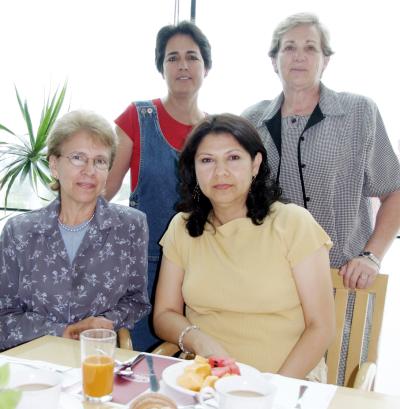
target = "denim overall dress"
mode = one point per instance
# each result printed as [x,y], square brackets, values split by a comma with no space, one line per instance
[156,194]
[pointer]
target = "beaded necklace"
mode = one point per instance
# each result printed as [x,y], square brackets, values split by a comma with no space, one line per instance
[75,229]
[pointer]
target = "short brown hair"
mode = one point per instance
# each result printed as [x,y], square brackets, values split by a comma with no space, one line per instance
[77,121]
[296,20]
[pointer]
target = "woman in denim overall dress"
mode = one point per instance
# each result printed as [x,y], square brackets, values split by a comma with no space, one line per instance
[151,135]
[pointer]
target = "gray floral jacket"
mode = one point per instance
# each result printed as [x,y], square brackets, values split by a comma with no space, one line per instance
[41,292]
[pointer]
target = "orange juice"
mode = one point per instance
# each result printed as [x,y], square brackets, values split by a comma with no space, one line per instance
[97,375]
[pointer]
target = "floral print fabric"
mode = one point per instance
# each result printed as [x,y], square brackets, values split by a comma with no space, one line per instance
[41,292]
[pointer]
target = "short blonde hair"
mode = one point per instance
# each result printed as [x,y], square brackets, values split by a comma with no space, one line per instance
[76,121]
[296,20]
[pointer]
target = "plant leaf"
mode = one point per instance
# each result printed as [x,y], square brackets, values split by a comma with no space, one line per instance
[49,115]
[27,156]
[14,149]
[11,178]
[44,178]
[10,183]
[9,399]
[7,168]
[27,118]
[2,127]
[4,375]
[25,170]
[23,141]
[10,173]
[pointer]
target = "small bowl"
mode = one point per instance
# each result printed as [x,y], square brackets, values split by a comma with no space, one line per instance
[41,388]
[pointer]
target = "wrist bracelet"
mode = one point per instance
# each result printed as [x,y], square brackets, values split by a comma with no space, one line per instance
[370,256]
[182,335]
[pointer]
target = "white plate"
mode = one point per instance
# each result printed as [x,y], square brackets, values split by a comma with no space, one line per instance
[172,372]
[70,402]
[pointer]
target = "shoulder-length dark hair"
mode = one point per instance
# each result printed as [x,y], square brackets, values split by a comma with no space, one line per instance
[264,191]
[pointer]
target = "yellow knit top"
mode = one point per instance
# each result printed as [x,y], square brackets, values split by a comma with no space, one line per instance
[238,285]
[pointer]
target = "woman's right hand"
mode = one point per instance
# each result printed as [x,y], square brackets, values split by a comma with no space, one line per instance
[204,345]
[73,331]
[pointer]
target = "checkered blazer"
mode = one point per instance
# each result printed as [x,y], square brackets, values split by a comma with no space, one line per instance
[332,163]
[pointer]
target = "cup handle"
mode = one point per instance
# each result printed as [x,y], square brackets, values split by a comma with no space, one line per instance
[205,394]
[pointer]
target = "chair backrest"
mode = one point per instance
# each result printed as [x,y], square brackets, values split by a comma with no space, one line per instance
[359,316]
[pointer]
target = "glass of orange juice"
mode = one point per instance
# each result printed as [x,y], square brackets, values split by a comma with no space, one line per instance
[97,358]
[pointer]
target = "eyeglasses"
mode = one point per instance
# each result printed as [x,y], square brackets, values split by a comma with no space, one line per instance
[80,160]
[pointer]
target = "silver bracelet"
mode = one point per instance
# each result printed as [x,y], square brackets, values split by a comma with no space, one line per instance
[182,335]
[372,257]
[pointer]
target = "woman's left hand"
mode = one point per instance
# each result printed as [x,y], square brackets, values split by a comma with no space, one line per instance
[73,331]
[360,272]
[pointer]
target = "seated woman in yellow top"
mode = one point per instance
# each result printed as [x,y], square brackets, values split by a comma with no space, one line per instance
[242,274]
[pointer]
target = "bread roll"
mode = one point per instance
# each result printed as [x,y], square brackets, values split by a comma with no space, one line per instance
[153,400]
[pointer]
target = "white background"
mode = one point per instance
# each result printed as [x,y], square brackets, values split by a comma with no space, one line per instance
[105,49]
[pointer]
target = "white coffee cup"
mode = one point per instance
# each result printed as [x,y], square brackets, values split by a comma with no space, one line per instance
[41,388]
[240,392]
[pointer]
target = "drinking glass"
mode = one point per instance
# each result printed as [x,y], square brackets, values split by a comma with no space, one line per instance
[97,358]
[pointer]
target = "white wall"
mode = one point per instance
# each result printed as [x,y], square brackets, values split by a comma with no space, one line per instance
[106,51]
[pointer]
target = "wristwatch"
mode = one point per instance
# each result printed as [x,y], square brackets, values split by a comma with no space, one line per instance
[371,256]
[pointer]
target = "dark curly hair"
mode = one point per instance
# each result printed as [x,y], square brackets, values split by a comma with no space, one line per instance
[185,28]
[264,191]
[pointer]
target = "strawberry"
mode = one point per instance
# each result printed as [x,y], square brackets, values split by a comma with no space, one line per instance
[220,371]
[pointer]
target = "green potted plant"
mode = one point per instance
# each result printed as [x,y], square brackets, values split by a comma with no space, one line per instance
[25,156]
[9,398]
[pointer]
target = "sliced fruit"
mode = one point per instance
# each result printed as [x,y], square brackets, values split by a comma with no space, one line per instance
[209,381]
[220,371]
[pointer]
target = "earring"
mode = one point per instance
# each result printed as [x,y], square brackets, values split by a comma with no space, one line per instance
[252,181]
[196,193]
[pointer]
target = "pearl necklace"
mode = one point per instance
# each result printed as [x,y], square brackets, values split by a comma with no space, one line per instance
[74,229]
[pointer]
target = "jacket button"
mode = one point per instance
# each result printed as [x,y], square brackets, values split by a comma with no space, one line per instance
[307,199]
[303,165]
[302,138]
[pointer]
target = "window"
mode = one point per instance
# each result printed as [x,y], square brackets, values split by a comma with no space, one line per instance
[106,51]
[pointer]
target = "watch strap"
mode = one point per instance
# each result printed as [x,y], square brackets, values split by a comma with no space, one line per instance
[371,256]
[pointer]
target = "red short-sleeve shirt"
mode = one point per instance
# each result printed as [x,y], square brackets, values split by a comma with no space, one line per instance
[174,132]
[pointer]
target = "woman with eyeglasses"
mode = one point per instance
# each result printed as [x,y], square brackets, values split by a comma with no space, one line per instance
[79,262]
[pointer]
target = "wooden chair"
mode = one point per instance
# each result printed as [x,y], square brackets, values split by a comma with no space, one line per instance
[166,348]
[124,339]
[170,349]
[352,357]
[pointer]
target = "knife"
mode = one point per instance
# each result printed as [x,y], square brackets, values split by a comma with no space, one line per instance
[154,385]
